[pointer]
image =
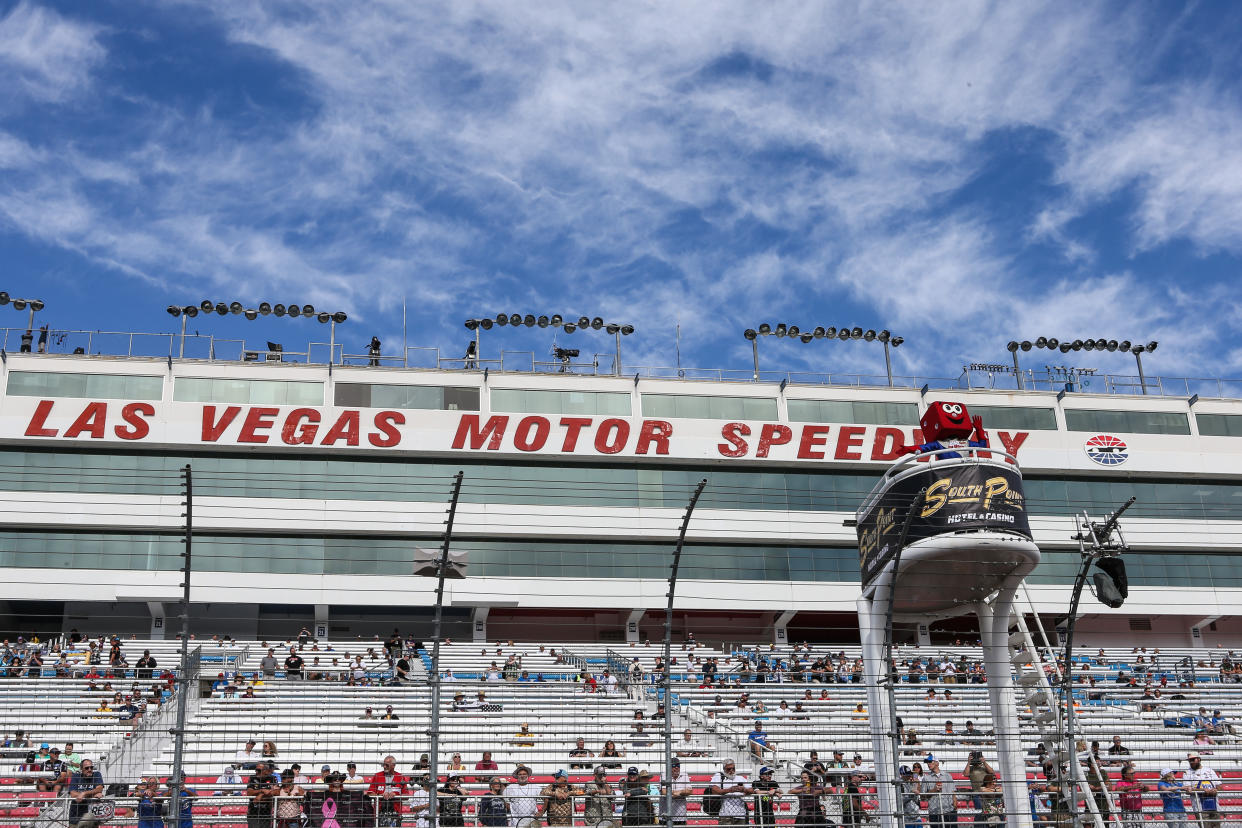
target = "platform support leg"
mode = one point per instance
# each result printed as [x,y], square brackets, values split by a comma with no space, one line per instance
[994,632]
[872,624]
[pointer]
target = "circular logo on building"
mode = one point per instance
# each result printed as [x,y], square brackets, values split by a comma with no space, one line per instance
[1107,450]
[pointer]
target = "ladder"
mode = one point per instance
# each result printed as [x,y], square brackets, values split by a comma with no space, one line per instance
[1036,693]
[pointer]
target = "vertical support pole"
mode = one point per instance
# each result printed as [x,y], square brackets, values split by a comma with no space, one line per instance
[994,632]
[754,346]
[667,775]
[1138,357]
[331,341]
[433,731]
[1017,372]
[183,676]
[181,352]
[618,365]
[888,365]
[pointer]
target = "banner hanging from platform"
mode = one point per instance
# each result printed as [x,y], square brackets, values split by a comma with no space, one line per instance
[959,497]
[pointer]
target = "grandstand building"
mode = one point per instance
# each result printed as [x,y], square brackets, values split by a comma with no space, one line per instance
[318,490]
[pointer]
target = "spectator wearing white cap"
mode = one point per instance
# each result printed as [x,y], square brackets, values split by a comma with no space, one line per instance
[231,778]
[1203,784]
[941,793]
[731,787]
[522,796]
[1172,801]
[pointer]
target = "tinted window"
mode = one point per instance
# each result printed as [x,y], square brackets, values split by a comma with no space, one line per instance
[1014,417]
[85,386]
[863,413]
[243,391]
[1219,425]
[708,408]
[522,401]
[1127,422]
[435,397]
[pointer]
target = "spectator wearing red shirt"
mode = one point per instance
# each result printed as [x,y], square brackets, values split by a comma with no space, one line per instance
[388,788]
[485,764]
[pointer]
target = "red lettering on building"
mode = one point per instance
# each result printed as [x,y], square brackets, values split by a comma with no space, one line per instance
[772,434]
[492,432]
[734,446]
[849,443]
[386,422]
[531,433]
[573,427]
[213,428]
[257,418]
[888,443]
[345,428]
[654,432]
[300,427]
[133,415]
[92,421]
[813,436]
[1013,442]
[37,427]
[612,436]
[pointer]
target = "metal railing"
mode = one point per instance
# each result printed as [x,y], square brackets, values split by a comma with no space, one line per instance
[203,347]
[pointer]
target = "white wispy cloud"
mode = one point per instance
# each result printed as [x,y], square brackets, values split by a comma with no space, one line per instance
[46,56]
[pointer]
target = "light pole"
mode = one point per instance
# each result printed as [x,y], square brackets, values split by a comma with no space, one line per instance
[1101,344]
[844,334]
[264,309]
[516,320]
[34,305]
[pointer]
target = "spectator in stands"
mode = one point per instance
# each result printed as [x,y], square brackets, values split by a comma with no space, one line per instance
[600,798]
[389,715]
[335,805]
[1203,784]
[352,777]
[19,740]
[688,746]
[261,791]
[977,770]
[523,738]
[640,739]
[394,646]
[938,786]
[815,767]
[522,796]
[808,792]
[387,788]
[148,808]
[993,811]
[767,790]
[908,789]
[84,786]
[492,810]
[636,809]
[1117,748]
[299,778]
[230,778]
[485,764]
[145,666]
[450,802]
[558,800]
[269,750]
[610,752]
[682,788]
[269,664]
[1172,801]
[1130,797]
[455,763]
[71,758]
[731,787]
[757,740]
[289,800]
[1202,742]
[294,665]
[852,812]
[403,671]
[56,773]
[580,752]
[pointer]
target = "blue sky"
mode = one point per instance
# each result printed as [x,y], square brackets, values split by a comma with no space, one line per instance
[960,173]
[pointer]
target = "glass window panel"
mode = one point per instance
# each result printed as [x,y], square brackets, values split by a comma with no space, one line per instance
[520,401]
[1015,417]
[1127,422]
[1220,425]
[854,412]
[85,386]
[243,391]
[708,408]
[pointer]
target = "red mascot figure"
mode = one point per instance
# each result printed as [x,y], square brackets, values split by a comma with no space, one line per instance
[948,425]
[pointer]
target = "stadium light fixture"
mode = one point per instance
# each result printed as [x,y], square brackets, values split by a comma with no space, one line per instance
[235,308]
[1100,344]
[843,333]
[34,306]
[555,320]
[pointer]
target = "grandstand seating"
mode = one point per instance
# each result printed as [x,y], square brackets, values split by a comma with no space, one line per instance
[318,722]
